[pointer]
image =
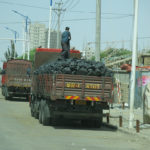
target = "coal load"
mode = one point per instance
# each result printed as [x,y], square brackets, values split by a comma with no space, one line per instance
[75,67]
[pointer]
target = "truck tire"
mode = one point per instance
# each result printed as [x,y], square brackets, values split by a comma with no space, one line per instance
[45,114]
[88,123]
[36,109]
[7,98]
[97,123]
[32,106]
[40,116]
[40,113]
[31,109]
[36,115]
[84,123]
[92,123]
[3,91]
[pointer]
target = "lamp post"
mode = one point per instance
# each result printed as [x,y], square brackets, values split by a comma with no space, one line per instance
[15,33]
[26,35]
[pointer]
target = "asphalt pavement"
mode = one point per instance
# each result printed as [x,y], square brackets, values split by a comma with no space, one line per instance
[20,131]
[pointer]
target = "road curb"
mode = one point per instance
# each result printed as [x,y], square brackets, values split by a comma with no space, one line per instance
[130,132]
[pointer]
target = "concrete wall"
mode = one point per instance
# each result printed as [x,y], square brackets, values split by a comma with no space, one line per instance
[146,104]
[123,77]
[142,80]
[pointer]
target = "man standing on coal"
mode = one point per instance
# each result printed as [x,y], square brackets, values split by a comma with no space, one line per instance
[65,43]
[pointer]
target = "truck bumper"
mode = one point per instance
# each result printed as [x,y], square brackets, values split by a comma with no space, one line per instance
[77,115]
[17,94]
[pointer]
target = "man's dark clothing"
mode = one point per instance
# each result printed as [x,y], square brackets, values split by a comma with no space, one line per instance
[28,71]
[65,43]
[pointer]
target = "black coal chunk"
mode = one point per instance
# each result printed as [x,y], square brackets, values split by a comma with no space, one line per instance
[75,67]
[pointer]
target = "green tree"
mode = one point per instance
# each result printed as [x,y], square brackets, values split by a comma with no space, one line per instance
[93,58]
[32,54]
[11,53]
[114,52]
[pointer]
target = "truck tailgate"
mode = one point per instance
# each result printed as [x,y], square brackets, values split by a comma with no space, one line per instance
[18,80]
[79,87]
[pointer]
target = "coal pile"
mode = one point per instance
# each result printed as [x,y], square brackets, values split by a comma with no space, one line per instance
[75,67]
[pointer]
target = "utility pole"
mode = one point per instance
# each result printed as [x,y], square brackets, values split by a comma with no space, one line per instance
[98,30]
[28,38]
[133,31]
[24,43]
[49,29]
[58,11]
[133,73]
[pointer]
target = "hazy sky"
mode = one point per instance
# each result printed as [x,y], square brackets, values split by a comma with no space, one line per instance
[80,17]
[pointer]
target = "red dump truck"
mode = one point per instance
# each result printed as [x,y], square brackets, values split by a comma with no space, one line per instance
[16,78]
[78,97]
[3,77]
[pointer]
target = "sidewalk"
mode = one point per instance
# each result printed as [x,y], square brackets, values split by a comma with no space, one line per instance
[138,115]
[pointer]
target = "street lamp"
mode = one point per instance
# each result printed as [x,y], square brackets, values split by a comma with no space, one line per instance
[15,32]
[26,33]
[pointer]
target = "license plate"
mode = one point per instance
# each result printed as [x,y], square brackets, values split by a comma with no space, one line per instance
[80,102]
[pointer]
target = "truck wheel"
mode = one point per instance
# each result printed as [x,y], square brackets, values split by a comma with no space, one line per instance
[40,113]
[31,109]
[36,110]
[45,115]
[31,104]
[27,98]
[7,98]
[36,115]
[98,123]
[3,91]
[40,116]
[84,123]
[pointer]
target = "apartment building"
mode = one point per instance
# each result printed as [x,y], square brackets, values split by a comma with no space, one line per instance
[89,53]
[39,36]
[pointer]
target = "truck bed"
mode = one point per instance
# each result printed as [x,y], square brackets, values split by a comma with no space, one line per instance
[73,87]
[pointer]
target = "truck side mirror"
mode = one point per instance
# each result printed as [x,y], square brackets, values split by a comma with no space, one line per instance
[3,72]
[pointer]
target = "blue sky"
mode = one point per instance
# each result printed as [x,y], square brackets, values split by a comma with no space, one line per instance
[80,17]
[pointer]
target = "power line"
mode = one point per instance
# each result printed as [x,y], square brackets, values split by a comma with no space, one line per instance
[25,5]
[68,4]
[118,14]
[121,17]
[75,4]
[65,3]
[80,19]
[38,7]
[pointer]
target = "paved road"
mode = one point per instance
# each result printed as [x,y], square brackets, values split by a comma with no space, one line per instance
[19,131]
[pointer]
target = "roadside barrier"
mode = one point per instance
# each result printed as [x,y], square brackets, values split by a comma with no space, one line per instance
[121,120]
